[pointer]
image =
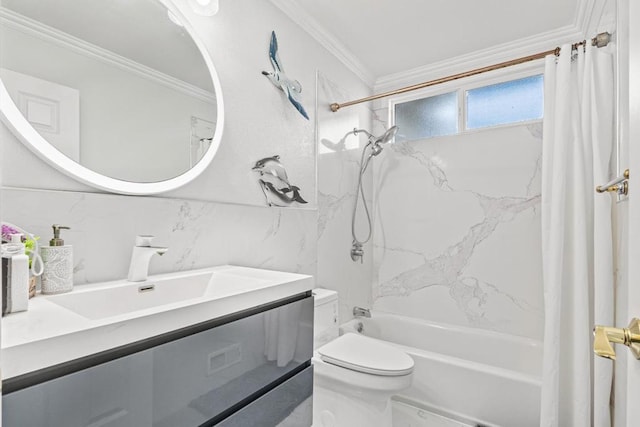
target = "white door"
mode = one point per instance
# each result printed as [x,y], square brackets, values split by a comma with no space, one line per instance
[52,109]
[627,373]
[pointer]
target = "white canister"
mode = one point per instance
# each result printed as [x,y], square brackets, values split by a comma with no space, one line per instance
[58,264]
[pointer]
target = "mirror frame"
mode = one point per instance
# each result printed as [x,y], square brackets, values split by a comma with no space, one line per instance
[22,129]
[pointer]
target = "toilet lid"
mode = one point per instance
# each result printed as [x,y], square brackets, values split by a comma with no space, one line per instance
[364,354]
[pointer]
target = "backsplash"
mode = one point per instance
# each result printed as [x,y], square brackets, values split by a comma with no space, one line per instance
[198,234]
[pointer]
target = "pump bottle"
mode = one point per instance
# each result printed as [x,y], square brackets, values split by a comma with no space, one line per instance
[58,264]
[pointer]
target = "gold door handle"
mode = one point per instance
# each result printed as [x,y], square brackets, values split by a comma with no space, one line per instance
[604,336]
[618,185]
[620,188]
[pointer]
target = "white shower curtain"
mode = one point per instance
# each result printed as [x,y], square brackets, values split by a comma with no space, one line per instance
[576,235]
[281,333]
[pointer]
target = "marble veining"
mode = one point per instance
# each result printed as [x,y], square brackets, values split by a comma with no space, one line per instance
[456,223]
[447,269]
[469,203]
[338,163]
[328,207]
[198,234]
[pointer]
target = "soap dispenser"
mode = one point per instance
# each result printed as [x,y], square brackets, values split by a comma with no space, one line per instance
[58,264]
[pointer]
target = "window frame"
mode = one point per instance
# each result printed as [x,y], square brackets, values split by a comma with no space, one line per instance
[461,86]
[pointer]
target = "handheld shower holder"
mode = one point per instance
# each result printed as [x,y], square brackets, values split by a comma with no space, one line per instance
[376,146]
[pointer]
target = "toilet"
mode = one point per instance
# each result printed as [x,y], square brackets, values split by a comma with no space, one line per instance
[354,375]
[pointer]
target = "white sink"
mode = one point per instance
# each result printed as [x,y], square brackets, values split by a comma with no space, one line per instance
[98,303]
[119,298]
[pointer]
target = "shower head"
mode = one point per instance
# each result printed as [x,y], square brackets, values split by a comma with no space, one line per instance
[387,136]
[376,144]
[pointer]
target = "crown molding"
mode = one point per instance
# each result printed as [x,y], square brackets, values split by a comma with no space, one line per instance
[38,29]
[586,20]
[586,15]
[308,23]
[481,58]
[594,16]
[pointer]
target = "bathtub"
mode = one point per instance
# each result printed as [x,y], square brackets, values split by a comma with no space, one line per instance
[474,376]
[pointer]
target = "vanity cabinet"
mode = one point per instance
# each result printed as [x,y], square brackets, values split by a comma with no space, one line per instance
[248,369]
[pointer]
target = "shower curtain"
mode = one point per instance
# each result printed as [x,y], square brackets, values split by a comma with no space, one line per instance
[576,235]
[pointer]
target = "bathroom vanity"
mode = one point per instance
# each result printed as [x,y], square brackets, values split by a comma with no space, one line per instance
[226,346]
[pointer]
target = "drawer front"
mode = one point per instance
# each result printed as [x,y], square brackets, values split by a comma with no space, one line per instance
[288,405]
[194,380]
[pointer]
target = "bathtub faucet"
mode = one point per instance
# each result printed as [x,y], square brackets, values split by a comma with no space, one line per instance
[361,312]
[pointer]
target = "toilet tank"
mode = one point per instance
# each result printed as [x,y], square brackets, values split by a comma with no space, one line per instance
[325,316]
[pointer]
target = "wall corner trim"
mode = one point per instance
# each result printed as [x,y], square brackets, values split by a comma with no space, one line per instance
[309,24]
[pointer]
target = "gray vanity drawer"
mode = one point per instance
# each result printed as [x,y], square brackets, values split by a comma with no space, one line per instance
[198,379]
[288,405]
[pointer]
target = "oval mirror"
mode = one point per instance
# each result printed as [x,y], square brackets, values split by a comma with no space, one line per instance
[119,95]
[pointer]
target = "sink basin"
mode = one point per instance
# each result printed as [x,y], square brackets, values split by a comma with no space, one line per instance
[102,301]
[129,297]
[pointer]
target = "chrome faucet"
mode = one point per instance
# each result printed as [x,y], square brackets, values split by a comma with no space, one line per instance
[357,253]
[141,256]
[361,312]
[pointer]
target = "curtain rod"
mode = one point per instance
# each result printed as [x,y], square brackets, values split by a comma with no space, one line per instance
[600,40]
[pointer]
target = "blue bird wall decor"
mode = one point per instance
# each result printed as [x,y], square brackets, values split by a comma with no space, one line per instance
[275,184]
[291,88]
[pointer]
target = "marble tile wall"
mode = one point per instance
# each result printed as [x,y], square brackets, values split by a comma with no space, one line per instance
[338,166]
[457,236]
[198,234]
[456,223]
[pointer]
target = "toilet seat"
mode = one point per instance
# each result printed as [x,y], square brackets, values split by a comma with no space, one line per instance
[367,355]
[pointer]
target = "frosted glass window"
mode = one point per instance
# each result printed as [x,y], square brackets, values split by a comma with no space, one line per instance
[427,117]
[509,102]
